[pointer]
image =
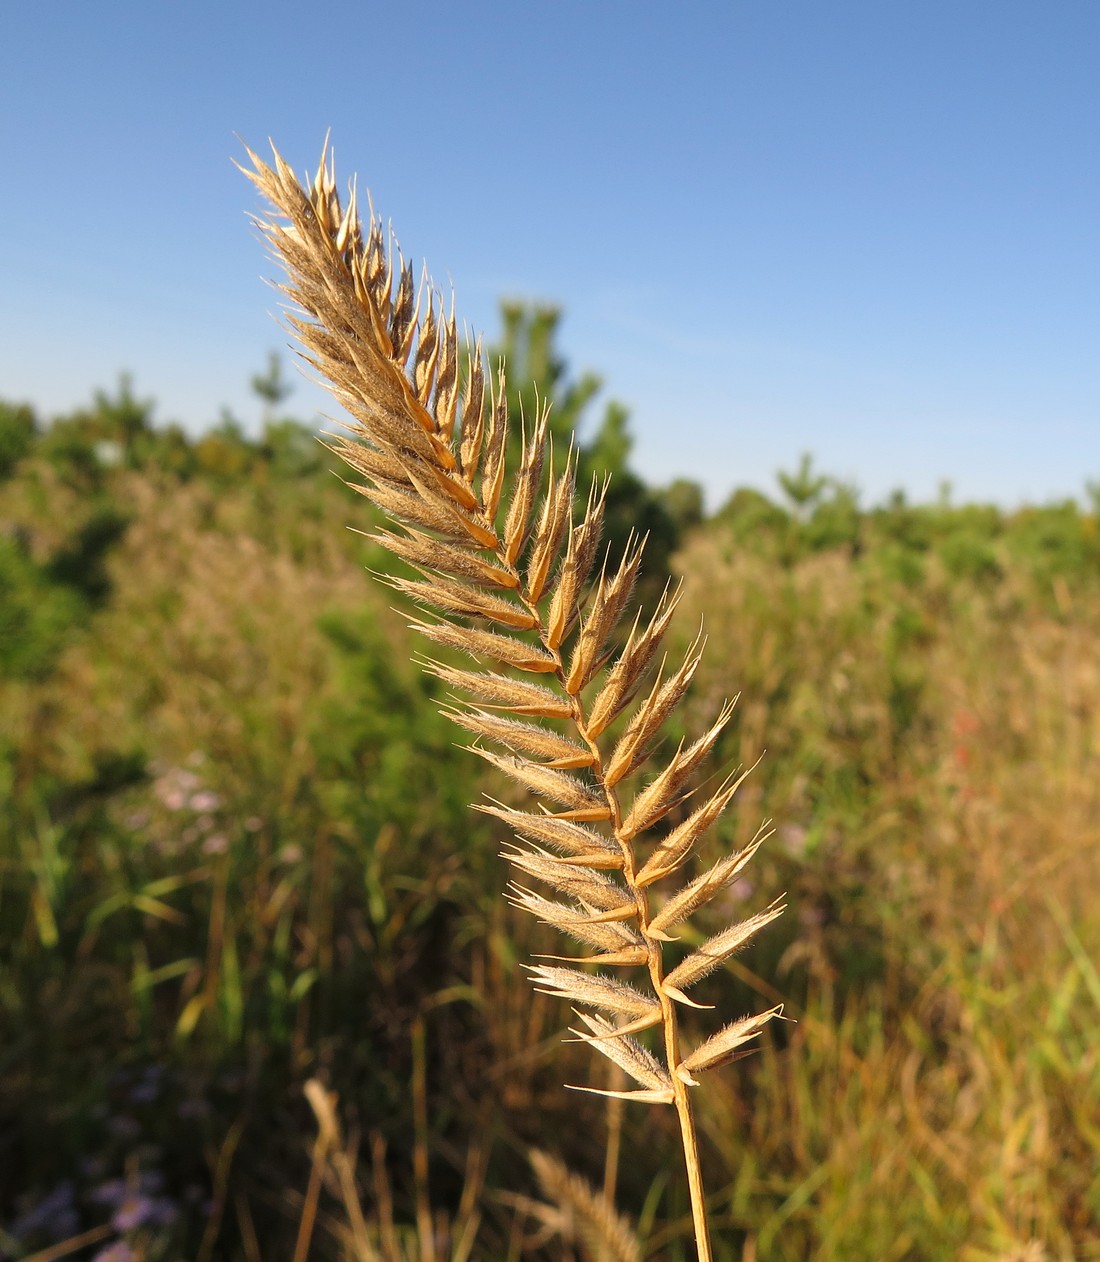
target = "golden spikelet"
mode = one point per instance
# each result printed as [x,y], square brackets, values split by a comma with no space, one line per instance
[578,1215]
[505,570]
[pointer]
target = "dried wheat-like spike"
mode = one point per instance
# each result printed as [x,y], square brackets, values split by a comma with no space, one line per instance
[580,553]
[525,489]
[705,886]
[719,948]
[595,990]
[370,462]
[639,1062]
[657,798]
[723,1047]
[674,849]
[605,935]
[424,553]
[554,750]
[608,603]
[579,1215]
[625,677]
[634,746]
[492,471]
[570,838]
[450,597]
[584,883]
[502,692]
[554,518]
[506,570]
[582,800]
[503,648]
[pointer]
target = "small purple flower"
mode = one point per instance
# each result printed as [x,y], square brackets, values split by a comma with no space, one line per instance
[143,1211]
[130,1214]
[794,839]
[218,843]
[54,1215]
[120,1251]
[110,1193]
[205,801]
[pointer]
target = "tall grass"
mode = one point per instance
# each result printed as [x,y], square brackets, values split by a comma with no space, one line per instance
[175,971]
[510,574]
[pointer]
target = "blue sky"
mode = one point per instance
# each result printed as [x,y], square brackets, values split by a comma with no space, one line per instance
[868,230]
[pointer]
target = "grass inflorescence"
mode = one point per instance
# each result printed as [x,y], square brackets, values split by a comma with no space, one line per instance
[510,574]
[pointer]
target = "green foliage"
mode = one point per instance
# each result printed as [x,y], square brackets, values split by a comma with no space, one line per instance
[81,561]
[224,453]
[236,854]
[291,450]
[748,515]
[379,732]
[682,500]
[116,430]
[1057,540]
[18,429]
[35,613]
[271,386]
[44,600]
[803,488]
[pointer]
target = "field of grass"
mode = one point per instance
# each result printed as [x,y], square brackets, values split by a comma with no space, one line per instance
[237,859]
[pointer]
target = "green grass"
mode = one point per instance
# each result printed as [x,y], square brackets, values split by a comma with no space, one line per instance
[230,811]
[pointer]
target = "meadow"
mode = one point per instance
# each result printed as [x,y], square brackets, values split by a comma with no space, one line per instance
[260,995]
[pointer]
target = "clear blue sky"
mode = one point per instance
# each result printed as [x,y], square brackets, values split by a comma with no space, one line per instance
[866,229]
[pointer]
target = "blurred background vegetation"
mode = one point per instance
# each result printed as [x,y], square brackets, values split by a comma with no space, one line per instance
[237,858]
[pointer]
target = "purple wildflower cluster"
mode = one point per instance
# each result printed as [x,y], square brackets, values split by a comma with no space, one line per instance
[194,806]
[120,1190]
[186,814]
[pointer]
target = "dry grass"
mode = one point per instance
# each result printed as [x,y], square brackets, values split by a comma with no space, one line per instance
[507,576]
